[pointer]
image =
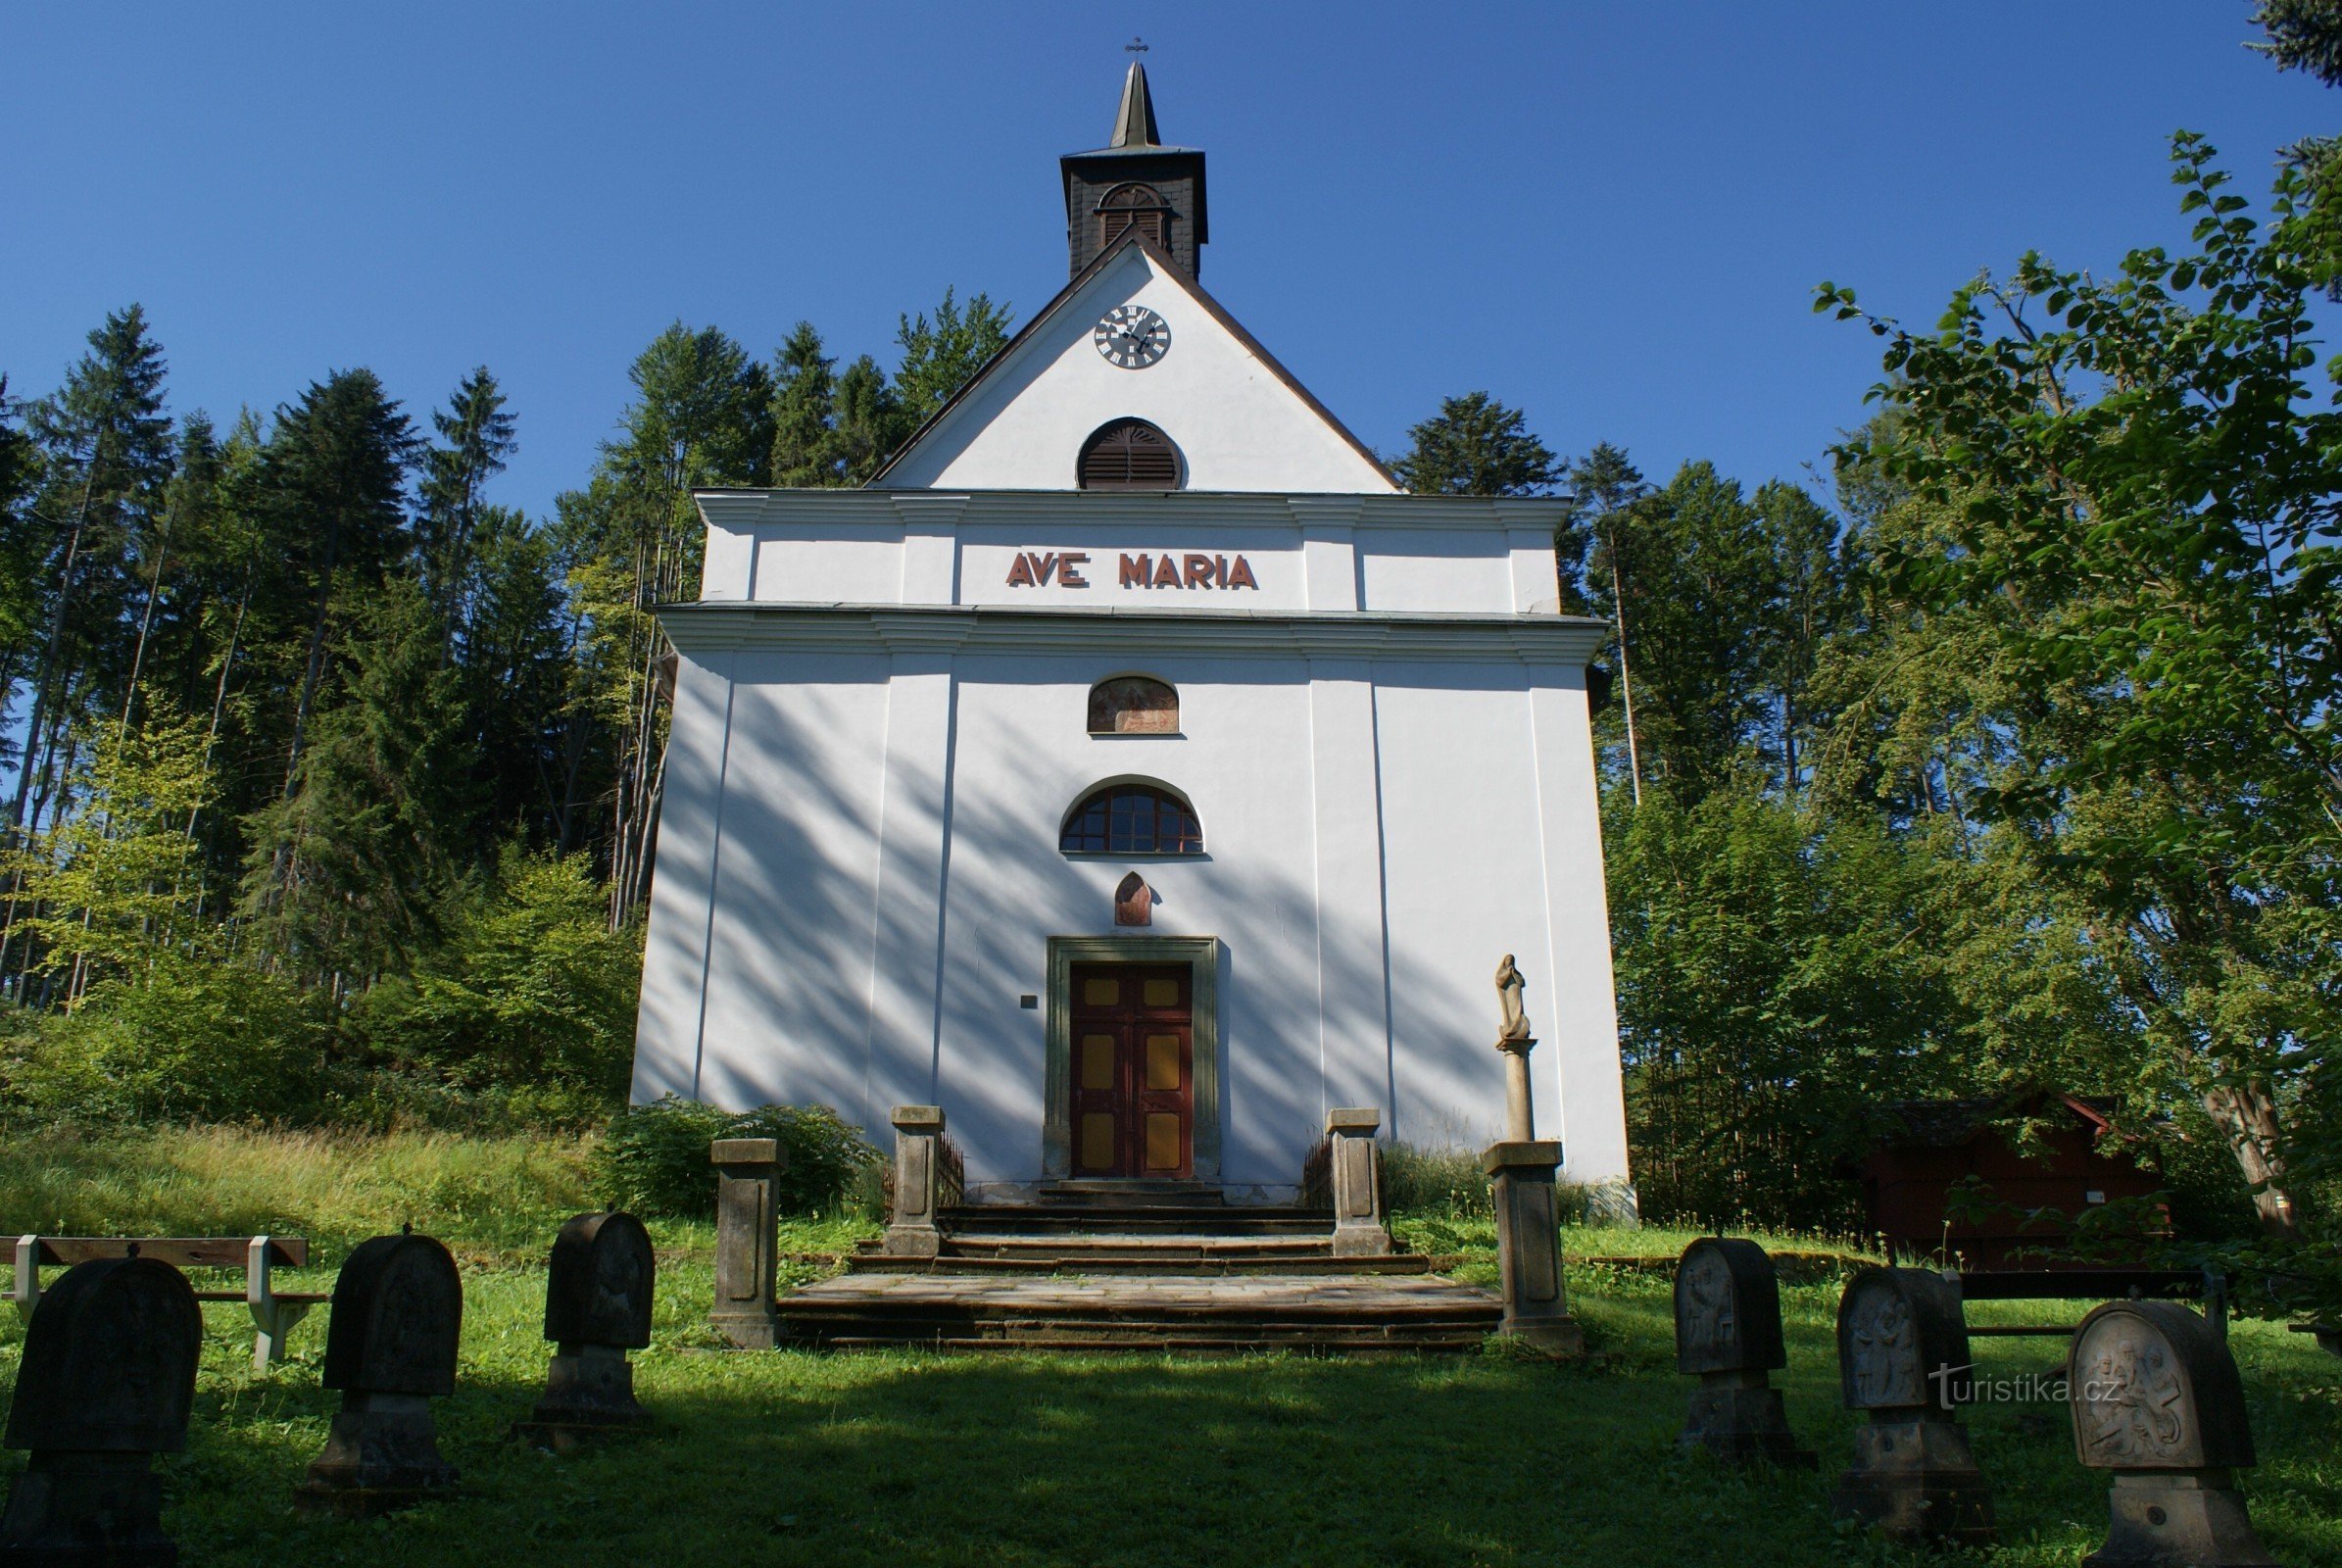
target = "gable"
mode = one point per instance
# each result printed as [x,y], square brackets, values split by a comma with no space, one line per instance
[1238,421]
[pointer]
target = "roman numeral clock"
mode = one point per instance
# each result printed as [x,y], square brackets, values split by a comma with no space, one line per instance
[1132,336]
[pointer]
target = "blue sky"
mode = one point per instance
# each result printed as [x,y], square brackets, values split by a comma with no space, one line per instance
[1611,217]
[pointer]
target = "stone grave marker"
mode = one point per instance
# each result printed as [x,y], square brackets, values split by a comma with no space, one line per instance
[398,1311]
[2157,1400]
[1727,1334]
[106,1381]
[1902,1344]
[597,1308]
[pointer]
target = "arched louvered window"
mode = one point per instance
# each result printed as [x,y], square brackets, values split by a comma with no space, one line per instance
[1129,455]
[1133,705]
[1133,206]
[1132,819]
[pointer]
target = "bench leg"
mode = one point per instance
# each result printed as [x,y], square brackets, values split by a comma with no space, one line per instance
[276,1322]
[26,1292]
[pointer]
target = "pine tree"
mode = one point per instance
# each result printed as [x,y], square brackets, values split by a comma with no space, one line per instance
[476,433]
[804,413]
[1476,446]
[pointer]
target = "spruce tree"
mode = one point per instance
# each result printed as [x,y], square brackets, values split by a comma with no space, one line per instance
[804,413]
[476,436]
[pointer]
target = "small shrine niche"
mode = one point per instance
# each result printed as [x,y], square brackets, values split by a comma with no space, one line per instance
[1134,902]
[1133,705]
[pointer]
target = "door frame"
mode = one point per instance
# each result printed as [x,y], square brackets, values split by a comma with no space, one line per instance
[1201,955]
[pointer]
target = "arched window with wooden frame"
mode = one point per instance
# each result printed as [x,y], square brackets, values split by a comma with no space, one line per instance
[1132,817]
[1133,705]
[1127,455]
[1132,206]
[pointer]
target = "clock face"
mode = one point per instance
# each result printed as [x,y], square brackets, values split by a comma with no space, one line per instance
[1132,336]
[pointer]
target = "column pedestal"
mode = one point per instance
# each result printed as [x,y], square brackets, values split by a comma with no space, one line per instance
[748,1218]
[1529,1245]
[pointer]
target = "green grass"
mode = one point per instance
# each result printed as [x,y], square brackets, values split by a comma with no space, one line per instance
[913,1458]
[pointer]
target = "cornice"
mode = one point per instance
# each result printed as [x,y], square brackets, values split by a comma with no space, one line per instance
[946,509]
[719,626]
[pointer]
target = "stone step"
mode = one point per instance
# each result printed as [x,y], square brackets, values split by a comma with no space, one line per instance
[876,1262]
[1167,1219]
[1135,1194]
[1355,1313]
[1109,1244]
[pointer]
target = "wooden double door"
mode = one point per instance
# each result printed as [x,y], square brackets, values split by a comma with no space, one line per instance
[1134,1070]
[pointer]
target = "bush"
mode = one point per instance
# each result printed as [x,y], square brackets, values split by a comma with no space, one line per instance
[654,1159]
[185,1039]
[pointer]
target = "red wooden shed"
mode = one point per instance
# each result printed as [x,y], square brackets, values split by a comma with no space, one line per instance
[1932,1145]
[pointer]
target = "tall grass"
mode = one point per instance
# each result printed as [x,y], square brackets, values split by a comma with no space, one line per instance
[492,1200]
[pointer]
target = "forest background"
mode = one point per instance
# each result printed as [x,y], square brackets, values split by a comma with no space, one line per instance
[2004,761]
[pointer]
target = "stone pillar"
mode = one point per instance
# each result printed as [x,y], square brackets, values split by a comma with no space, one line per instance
[107,1382]
[1902,1346]
[1520,1112]
[390,1348]
[1529,1245]
[598,1297]
[748,1218]
[1356,1165]
[1727,1334]
[2156,1399]
[912,1230]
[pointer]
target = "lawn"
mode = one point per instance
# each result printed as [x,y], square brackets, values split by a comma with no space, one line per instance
[914,1458]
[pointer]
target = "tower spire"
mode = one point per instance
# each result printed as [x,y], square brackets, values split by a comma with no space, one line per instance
[1134,122]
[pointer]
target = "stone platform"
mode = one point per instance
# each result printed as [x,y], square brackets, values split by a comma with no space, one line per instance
[1118,1271]
[1346,1314]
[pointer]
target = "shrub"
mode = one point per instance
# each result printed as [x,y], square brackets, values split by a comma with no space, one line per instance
[185,1039]
[654,1159]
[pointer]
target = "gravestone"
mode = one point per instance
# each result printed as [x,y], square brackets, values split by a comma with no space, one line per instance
[398,1311]
[2157,1400]
[106,1381]
[598,1292]
[748,1221]
[1902,1346]
[1727,1334]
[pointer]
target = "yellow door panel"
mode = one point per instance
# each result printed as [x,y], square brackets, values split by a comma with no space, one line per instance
[1162,1061]
[1098,1061]
[1163,1141]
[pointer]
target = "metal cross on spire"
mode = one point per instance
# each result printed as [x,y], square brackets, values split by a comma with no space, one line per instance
[1137,46]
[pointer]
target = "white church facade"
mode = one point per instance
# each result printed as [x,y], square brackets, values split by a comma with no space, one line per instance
[1132,770]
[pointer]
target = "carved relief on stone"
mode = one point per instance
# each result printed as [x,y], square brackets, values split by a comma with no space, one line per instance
[1706,1323]
[1881,1346]
[2131,1404]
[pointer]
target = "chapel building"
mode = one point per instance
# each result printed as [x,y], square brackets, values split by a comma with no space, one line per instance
[1131,768]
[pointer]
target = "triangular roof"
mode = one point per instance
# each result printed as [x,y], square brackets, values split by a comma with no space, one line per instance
[1048,322]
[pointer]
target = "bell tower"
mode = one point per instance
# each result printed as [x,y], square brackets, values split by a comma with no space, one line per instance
[1135,181]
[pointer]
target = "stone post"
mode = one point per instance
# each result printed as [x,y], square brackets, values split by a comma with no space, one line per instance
[1357,1164]
[105,1383]
[1520,1114]
[1529,1245]
[911,1229]
[2157,1400]
[1902,1346]
[748,1218]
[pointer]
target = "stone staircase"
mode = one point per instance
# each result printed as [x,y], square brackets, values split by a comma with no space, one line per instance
[1123,1269]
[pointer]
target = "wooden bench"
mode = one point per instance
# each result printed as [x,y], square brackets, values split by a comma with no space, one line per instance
[2209,1286]
[273,1311]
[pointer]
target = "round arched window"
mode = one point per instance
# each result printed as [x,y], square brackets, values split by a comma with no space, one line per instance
[1127,455]
[1132,819]
[1133,206]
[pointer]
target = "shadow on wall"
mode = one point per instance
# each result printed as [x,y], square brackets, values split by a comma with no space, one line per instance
[793,948]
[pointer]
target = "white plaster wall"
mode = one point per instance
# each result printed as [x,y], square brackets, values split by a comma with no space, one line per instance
[1236,425]
[885,877]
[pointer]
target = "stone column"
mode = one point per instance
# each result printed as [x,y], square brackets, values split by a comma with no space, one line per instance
[1529,1245]
[911,1229]
[1520,1114]
[748,1218]
[1357,1162]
